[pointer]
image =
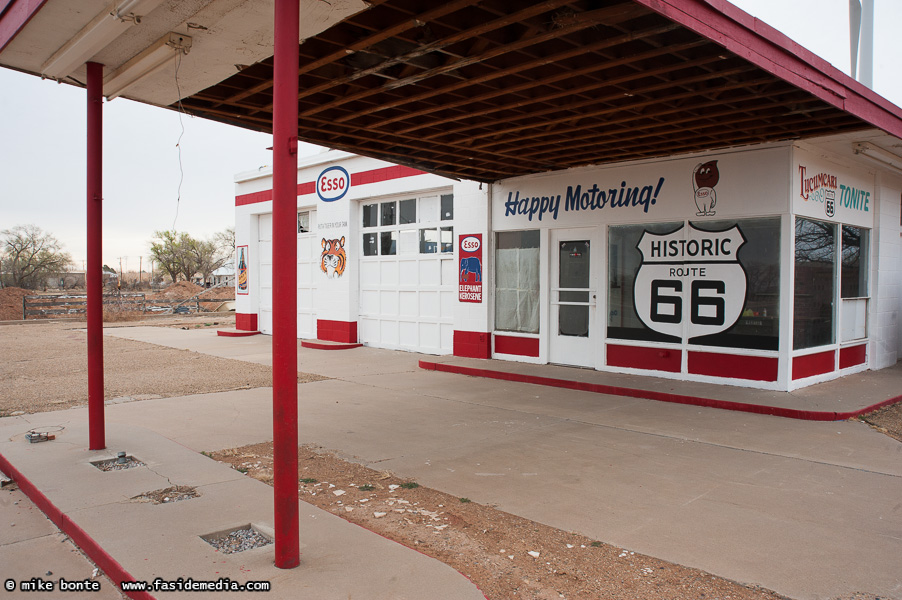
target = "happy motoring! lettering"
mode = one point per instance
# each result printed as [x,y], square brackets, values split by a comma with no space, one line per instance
[576,199]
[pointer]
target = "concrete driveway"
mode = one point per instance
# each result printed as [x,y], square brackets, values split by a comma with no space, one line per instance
[812,510]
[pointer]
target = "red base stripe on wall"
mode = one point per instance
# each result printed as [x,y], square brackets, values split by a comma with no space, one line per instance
[337,331]
[813,364]
[640,357]
[519,346]
[761,409]
[853,355]
[756,368]
[246,321]
[473,344]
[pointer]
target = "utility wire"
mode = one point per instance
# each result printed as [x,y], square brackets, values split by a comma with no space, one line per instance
[178,144]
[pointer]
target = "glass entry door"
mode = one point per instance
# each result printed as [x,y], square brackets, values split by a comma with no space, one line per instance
[573,298]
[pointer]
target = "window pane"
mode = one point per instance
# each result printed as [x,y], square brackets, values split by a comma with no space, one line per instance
[388,213]
[370,215]
[408,212]
[623,264]
[408,241]
[389,241]
[854,262]
[517,281]
[815,253]
[447,207]
[369,244]
[429,241]
[428,209]
[447,239]
[758,326]
[303,222]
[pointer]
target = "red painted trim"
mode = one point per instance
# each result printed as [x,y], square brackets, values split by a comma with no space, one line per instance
[518,346]
[765,47]
[246,321]
[336,331]
[776,411]
[734,366]
[383,174]
[851,356]
[234,333]
[328,346]
[94,275]
[813,364]
[109,565]
[362,178]
[285,288]
[473,344]
[14,16]
[640,357]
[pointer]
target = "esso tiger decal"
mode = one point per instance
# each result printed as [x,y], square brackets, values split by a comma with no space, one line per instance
[333,258]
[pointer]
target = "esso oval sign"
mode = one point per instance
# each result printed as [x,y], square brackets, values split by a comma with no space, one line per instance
[332,184]
[470,244]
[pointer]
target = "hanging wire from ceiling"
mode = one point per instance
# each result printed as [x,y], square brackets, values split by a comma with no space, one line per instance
[178,144]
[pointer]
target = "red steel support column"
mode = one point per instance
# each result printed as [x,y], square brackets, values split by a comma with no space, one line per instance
[94,277]
[285,289]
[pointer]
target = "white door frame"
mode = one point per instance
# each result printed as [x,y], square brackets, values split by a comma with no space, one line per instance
[567,349]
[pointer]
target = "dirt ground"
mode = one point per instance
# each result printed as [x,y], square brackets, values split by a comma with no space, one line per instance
[506,556]
[48,368]
[887,420]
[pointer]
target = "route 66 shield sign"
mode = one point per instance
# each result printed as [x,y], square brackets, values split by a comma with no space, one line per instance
[690,285]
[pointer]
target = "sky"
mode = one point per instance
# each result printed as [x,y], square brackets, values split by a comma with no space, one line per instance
[42,145]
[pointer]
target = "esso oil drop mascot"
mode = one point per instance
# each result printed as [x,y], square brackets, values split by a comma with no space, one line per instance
[704,177]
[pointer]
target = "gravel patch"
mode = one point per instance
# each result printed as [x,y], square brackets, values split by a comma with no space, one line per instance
[887,420]
[113,464]
[239,541]
[175,493]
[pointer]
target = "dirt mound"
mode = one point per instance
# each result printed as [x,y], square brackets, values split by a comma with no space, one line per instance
[180,291]
[11,303]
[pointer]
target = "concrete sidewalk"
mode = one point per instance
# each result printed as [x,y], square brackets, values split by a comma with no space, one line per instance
[145,541]
[809,509]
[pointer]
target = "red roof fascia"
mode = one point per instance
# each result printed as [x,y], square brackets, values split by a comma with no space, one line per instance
[762,45]
[14,15]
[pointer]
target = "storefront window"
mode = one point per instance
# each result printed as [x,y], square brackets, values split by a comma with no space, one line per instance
[517,281]
[304,222]
[758,326]
[673,282]
[854,262]
[624,260]
[815,258]
[854,283]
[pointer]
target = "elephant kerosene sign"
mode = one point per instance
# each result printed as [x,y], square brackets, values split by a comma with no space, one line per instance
[470,256]
[690,283]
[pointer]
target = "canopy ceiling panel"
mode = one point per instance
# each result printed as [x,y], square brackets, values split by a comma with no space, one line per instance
[493,89]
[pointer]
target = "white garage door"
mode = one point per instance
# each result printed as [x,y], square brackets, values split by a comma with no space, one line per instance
[407,275]
[307,260]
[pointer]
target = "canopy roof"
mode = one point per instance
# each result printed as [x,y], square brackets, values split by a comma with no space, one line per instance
[489,89]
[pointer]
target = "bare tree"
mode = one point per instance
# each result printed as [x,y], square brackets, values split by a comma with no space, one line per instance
[30,255]
[170,250]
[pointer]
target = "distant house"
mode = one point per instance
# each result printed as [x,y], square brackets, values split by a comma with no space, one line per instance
[66,280]
[222,275]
